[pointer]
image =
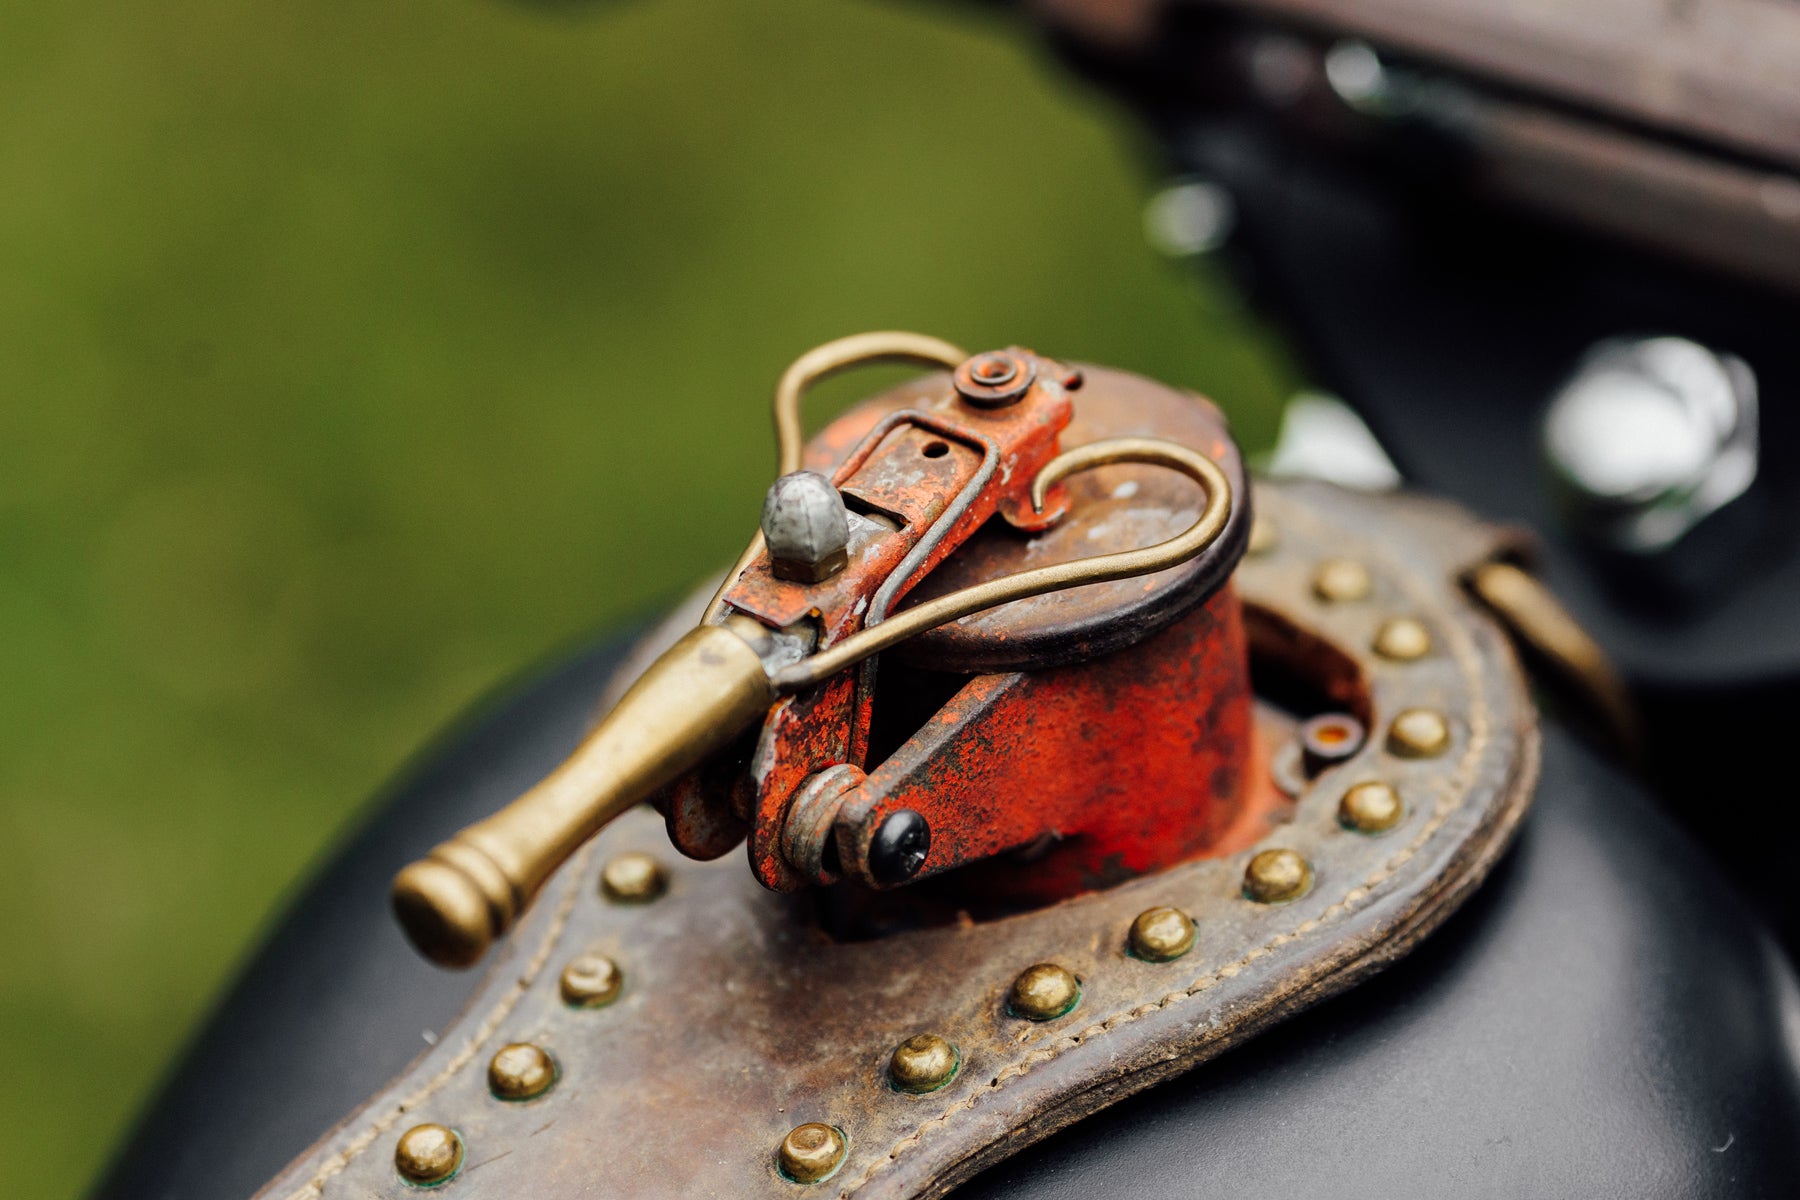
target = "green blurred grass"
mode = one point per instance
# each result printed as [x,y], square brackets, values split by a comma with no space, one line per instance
[353,355]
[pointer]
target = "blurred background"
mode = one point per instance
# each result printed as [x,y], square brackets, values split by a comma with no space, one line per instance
[356,357]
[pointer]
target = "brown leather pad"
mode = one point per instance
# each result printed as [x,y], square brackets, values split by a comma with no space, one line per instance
[739,1020]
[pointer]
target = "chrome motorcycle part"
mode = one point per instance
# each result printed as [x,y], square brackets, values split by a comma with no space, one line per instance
[1649,437]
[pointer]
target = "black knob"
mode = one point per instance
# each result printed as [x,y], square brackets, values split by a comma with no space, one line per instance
[901,843]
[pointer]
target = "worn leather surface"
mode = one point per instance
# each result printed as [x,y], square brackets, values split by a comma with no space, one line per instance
[1598,1020]
[1605,1018]
[740,1019]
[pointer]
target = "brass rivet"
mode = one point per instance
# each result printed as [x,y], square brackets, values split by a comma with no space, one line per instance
[521,1071]
[1043,993]
[1340,580]
[1161,935]
[633,878]
[428,1154]
[923,1063]
[812,1152]
[1275,876]
[1418,733]
[591,980]
[1402,639]
[1263,536]
[1371,807]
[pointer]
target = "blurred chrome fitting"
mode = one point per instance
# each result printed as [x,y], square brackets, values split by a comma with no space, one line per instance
[1188,218]
[1648,437]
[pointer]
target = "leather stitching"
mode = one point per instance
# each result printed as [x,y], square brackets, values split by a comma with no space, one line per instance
[313,1188]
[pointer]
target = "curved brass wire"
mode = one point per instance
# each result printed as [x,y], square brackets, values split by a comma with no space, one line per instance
[833,358]
[817,364]
[1122,564]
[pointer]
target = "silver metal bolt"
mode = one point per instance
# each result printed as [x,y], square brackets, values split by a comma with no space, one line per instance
[806,526]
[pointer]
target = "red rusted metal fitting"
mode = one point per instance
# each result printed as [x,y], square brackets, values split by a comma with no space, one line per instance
[1051,745]
[995,379]
[1095,772]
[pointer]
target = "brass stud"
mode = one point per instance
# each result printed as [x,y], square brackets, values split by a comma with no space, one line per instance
[591,980]
[1371,807]
[521,1071]
[1044,992]
[1402,639]
[633,878]
[428,1154]
[1419,733]
[1341,580]
[1276,876]
[923,1063]
[1162,935]
[812,1153]
[1263,536]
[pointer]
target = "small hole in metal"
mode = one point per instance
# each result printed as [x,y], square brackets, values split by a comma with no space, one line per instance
[935,449]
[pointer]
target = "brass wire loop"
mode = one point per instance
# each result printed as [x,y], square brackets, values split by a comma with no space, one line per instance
[833,358]
[816,365]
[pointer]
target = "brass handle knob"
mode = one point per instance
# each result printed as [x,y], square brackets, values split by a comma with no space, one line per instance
[703,692]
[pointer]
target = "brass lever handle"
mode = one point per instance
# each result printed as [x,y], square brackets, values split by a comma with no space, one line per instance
[692,701]
[696,698]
